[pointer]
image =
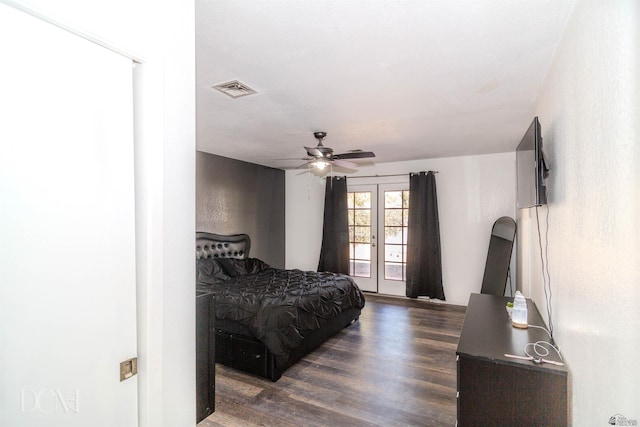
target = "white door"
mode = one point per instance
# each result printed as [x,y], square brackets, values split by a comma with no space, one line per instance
[378,231]
[363,251]
[67,238]
[393,211]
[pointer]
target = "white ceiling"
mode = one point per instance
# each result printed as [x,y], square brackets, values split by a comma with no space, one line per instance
[405,79]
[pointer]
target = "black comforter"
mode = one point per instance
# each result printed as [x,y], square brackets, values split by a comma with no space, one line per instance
[278,306]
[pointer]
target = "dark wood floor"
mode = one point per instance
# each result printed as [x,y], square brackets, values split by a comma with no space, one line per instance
[395,367]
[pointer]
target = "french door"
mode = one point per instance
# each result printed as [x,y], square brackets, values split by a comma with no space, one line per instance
[378,232]
[363,254]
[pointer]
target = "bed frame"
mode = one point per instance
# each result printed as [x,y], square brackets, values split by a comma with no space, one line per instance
[235,346]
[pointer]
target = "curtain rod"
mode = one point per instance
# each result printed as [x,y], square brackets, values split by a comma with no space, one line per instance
[383,176]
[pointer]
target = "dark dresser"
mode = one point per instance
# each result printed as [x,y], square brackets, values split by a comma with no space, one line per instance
[497,390]
[205,355]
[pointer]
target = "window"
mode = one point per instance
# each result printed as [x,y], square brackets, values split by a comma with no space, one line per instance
[396,215]
[360,242]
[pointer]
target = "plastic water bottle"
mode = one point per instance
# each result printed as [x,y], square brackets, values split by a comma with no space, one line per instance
[519,314]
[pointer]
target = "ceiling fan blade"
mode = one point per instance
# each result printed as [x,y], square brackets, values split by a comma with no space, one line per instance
[303,165]
[344,163]
[313,151]
[354,155]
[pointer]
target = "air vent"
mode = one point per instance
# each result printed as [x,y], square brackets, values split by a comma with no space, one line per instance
[234,89]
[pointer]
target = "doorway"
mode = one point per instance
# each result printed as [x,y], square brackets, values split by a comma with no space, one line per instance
[378,230]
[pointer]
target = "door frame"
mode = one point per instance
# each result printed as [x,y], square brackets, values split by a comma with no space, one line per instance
[380,184]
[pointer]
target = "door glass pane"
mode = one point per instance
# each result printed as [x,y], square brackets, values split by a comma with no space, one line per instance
[362,268]
[362,200]
[393,271]
[393,253]
[393,235]
[392,217]
[392,199]
[396,215]
[362,217]
[360,236]
[362,251]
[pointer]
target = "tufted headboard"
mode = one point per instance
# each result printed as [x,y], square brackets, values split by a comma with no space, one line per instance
[209,245]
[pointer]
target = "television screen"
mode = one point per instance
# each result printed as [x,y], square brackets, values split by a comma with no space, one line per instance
[531,169]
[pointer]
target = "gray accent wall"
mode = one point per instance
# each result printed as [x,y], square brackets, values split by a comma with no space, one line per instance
[233,197]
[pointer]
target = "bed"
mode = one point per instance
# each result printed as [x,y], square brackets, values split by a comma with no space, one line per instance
[266,318]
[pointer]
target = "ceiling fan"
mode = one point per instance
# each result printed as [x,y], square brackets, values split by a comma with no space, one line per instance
[322,156]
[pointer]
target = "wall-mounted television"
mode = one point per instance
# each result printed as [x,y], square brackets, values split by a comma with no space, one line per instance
[531,168]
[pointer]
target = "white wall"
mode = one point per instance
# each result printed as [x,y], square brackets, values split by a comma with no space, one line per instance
[473,192]
[162,34]
[590,116]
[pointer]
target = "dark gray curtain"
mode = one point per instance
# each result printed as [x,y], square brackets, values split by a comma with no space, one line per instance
[424,265]
[334,254]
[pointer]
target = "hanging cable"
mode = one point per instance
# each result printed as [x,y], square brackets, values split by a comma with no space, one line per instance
[546,255]
[545,271]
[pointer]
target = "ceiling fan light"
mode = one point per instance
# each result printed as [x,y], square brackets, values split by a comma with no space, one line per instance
[320,164]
